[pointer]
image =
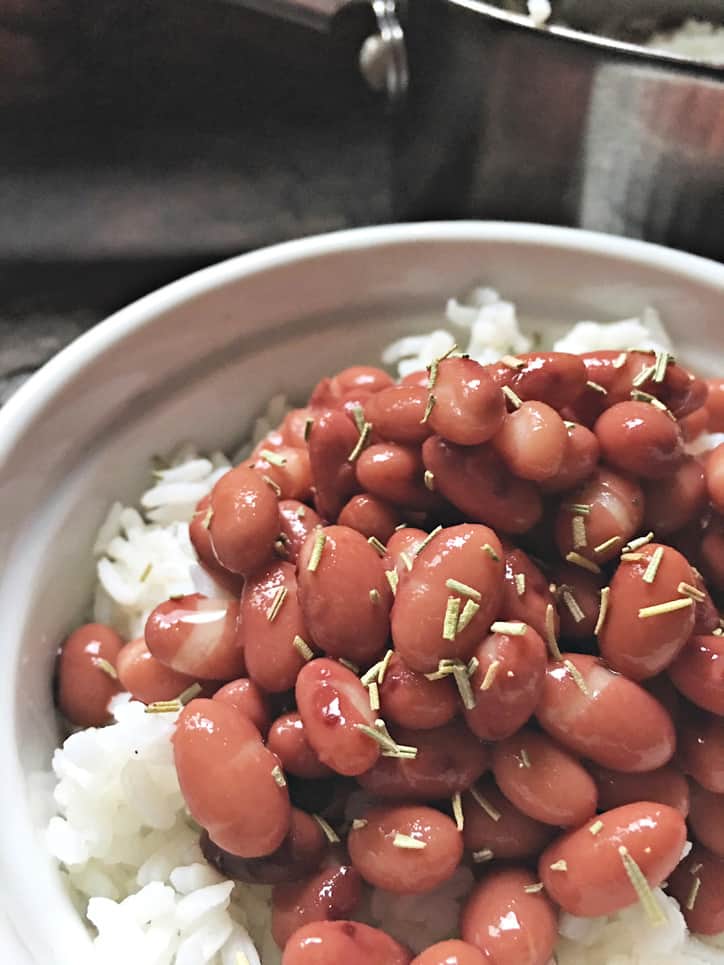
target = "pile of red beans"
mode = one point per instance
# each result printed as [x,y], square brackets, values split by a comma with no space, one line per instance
[485,597]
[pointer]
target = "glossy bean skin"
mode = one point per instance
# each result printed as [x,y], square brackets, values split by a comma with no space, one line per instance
[84,688]
[419,379]
[715,477]
[616,512]
[698,672]
[201,540]
[405,871]
[296,522]
[531,605]
[350,573]
[452,952]
[616,723]
[675,501]
[449,759]
[145,677]
[272,660]
[469,408]
[396,414]
[395,473]
[244,520]
[509,925]
[366,378]
[477,481]
[409,699]
[712,554]
[556,378]
[510,835]
[532,442]
[578,589]
[706,917]
[332,702]
[332,439]
[299,855]
[245,697]
[218,753]
[403,541]
[329,943]
[666,785]
[290,470]
[701,749]
[639,647]
[595,881]
[694,424]
[706,615]
[288,740]
[196,636]
[370,516]
[293,427]
[511,697]
[543,780]
[706,818]
[418,613]
[715,404]
[639,439]
[331,893]
[580,458]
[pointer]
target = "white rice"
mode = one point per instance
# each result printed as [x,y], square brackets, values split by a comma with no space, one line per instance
[696,39]
[128,849]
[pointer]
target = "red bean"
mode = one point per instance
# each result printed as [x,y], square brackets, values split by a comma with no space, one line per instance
[197,636]
[614,722]
[294,427]
[667,785]
[493,824]
[579,600]
[667,695]
[370,516]
[508,924]
[701,750]
[615,510]
[419,379]
[270,620]
[299,854]
[332,703]
[715,404]
[699,882]
[244,695]
[468,407]
[712,553]
[145,677]
[402,548]
[425,626]
[395,473]
[635,437]
[288,740]
[641,646]
[507,683]
[405,849]
[329,943]
[296,522]
[674,502]
[706,615]
[532,441]
[84,686]
[556,378]
[477,482]
[201,540]
[333,892]
[397,414]
[698,672]
[580,457]
[244,520]
[694,424]
[287,467]
[706,818]
[526,592]
[344,594]
[449,759]
[452,952]
[715,477]
[585,872]
[365,378]
[233,786]
[332,439]
[409,699]
[543,780]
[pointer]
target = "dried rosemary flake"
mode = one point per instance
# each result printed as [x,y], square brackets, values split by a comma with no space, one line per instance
[695,868]
[272,485]
[279,597]
[409,843]
[186,696]
[487,548]
[719,632]
[163,707]
[146,572]
[208,516]
[393,579]
[632,557]
[429,480]
[388,745]
[577,676]
[580,539]
[662,363]
[377,545]
[642,888]
[358,824]
[374,596]
[463,589]
[468,612]
[490,675]
[573,606]
[638,396]
[551,632]
[400,526]
[319,540]
[512,629]
[361,442]
[457,806]
[371,674]
[524,759]
[430,536]
[428,408]
[460,673]
[693,591]
[643,376]
[374,692]
[308,423]
[570,425]
[607,544]
[329,832]
[106,666]
[359,417]
[473,665]
[280,548]
[636,544]
[597,388]
[450,620]
[512,362]
[303,647]
[406,559]
[581,561]
[580,509]
[384,664]
[603,610]
[278,776]
[559,865]
[273,457]
[693,894]
[620,360]
[669,607]
[480,857]
[653,567]
[596,827]
[533,889]
[432,369]
[512,397]
[349,665]
[520,583]
[301,512]
[492,812]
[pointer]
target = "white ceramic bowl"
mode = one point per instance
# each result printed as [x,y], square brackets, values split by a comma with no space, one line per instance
[196,361]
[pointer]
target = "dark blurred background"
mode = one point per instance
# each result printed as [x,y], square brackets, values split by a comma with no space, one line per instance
[140,140]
